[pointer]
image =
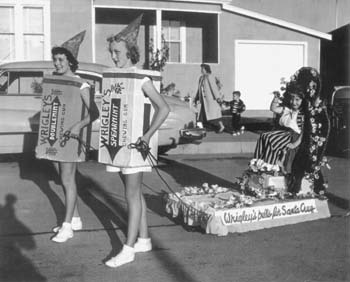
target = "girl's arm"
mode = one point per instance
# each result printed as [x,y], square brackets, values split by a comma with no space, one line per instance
[276,105]
[92,109]
[160,106]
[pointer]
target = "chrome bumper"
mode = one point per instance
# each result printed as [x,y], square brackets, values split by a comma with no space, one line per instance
[191,134]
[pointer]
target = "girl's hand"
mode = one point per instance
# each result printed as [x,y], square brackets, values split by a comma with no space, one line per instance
[276,94]
[146,139]
[75,129]
[277,100]
[292,146]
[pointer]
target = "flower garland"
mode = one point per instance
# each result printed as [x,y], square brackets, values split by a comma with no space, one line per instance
[319,125]
[318,141]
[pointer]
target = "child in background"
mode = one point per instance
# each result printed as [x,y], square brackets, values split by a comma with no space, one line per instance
[236,108]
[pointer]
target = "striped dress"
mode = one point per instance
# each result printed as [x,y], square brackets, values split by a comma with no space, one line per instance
[271,145]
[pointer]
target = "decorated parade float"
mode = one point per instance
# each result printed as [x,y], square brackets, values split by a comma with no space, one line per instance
[267,195]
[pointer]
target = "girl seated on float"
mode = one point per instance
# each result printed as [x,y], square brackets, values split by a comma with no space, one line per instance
[275,150]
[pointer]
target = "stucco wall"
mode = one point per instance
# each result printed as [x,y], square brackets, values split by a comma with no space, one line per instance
[69,18]
[234,27]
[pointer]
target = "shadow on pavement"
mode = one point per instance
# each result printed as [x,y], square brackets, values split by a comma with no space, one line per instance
[184,175]
[103,203]
[106,206]
[337,203]
[41,172]
[14,266]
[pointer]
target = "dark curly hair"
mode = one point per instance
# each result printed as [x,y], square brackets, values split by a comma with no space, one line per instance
[206,67]
[294,88]
[310,81]
[133,50]
[73,63]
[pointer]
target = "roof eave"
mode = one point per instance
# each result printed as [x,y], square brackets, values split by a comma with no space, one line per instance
[275,21]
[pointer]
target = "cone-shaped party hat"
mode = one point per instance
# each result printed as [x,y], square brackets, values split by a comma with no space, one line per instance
[73,44]
[129,33]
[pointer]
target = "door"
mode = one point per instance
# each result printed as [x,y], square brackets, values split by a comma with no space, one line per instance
[260,65]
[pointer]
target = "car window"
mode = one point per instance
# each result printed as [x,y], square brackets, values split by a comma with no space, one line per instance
[341,100]
[21,83]
[3,83]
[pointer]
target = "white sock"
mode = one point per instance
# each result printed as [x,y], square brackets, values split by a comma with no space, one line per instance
[128,249]
[144,240]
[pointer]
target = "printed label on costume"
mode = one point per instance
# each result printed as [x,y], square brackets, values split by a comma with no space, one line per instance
[51,119]
[111,116]
[126,115]
[61,108]
[267,212]
[109,132]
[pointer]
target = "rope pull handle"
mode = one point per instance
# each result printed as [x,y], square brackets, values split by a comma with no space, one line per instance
[141,146]
[68,135]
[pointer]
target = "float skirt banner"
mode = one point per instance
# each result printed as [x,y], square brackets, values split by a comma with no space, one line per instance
[62,107]
[266,216]
[126,114]
[268,212]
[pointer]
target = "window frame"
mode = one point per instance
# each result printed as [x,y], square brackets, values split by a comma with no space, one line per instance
[19,34]
[182,41]
[19,75]
[13,33]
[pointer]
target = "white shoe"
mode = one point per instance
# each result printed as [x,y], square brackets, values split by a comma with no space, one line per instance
[126,255]
[77,224]
[143,245]
[64,233]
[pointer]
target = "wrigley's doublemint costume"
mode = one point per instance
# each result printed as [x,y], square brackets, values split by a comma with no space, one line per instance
[62,107]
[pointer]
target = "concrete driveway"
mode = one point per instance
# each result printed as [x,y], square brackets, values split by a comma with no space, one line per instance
[31,203]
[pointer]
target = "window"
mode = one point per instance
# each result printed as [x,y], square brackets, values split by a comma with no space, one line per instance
[191,37]
[24,30]
[172,31]
[7,33]
[33,33]
[23,83]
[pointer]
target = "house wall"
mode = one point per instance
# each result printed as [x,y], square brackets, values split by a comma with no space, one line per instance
[234,27]
[316,14]
[69,18]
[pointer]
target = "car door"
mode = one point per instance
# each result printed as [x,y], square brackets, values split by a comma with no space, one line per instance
[20,100]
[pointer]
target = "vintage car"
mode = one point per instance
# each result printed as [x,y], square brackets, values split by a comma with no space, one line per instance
[20,101]
[339,142]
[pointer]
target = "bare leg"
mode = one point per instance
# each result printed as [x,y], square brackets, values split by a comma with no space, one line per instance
[67,171]
[143,228]
[133,198]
